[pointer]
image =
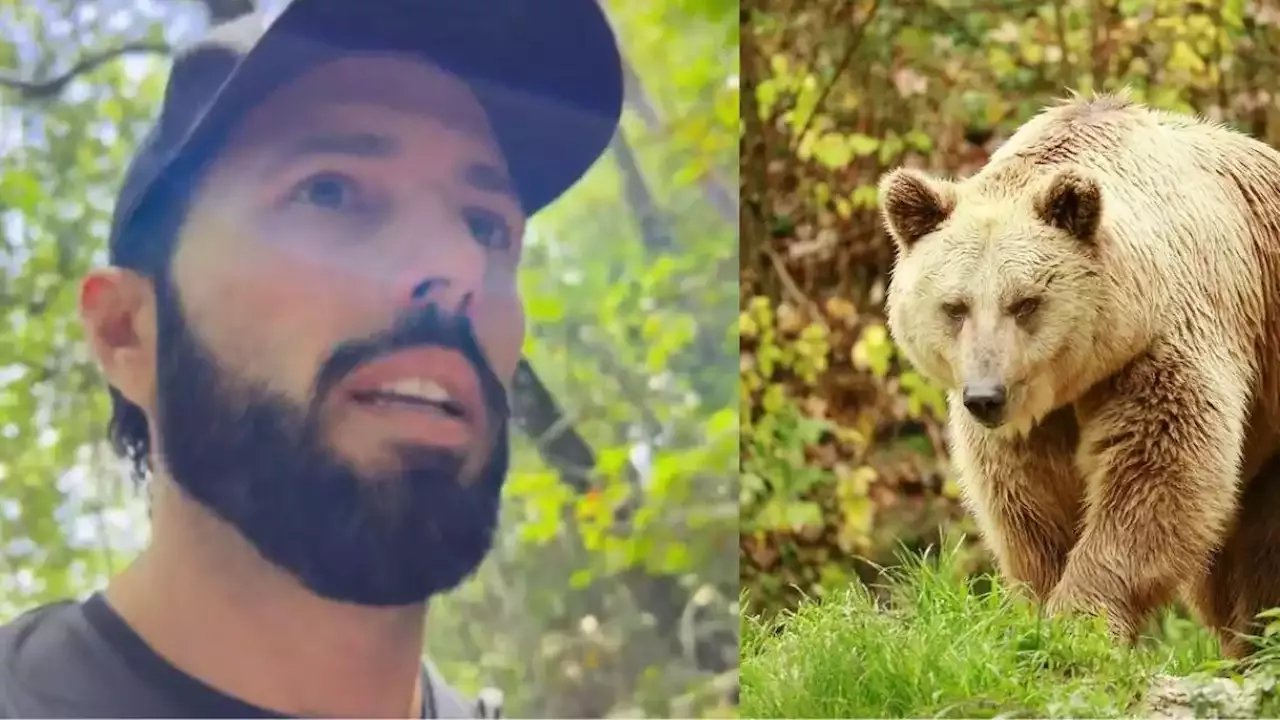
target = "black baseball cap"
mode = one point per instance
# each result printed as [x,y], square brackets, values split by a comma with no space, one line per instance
[548,75]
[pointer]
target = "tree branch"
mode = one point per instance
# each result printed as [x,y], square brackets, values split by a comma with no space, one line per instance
[536,412]
[850,50]
[655,227]
[564,449]
[221,11]
[715,189]
[32,90]
[754,146]
[51,88]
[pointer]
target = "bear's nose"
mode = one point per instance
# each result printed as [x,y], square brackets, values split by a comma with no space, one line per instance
[985,401]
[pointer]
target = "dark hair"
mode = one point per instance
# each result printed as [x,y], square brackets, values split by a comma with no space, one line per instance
[145,245]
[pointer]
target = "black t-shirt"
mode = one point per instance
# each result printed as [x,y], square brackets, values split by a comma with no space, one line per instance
[81,660]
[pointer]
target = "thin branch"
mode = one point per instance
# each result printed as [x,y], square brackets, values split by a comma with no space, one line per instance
[51,88]
[715,189]
[789,284]
[221,11]
[538,414]
[655,226]
[33,90]
[754,145]
[850,50]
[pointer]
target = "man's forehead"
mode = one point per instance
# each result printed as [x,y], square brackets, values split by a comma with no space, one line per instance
[342,91]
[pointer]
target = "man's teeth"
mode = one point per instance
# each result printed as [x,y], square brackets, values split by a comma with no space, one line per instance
[424,390]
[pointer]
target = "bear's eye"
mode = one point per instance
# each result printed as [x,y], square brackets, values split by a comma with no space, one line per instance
[1024,308]
[955,310]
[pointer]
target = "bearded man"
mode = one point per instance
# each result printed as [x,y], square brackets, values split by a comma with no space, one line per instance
[309,326]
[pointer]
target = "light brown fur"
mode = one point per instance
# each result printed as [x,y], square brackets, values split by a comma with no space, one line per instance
[1138,455]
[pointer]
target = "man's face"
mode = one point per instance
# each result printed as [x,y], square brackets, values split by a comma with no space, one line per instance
[337,330]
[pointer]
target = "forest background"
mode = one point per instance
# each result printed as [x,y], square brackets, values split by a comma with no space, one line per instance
[612,589]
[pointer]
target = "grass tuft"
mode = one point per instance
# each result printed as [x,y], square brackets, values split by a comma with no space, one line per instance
[943,645]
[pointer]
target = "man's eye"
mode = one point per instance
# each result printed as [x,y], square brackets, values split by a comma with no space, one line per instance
[330,191]
[489,229]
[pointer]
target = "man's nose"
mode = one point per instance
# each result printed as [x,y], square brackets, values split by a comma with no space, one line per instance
[441,292]
[445,268]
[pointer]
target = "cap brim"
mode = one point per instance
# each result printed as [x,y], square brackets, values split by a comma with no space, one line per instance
[550,82]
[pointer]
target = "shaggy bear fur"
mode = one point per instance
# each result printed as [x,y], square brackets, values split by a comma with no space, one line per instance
[1102,302]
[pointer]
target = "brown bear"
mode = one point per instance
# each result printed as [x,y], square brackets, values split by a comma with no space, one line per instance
[1102,303]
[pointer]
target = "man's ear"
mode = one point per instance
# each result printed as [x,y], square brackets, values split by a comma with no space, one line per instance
[914,205]
[118,311]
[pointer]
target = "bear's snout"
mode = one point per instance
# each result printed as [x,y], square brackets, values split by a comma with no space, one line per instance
[985,400]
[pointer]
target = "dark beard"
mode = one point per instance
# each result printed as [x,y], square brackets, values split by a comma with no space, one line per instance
[259,461]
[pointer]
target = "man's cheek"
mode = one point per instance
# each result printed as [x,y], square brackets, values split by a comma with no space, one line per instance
[500,327]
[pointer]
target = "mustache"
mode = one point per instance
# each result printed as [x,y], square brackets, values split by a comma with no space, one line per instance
[427,326]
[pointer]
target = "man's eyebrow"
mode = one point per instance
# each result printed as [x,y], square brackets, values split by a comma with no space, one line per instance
[359,144]
[481,176]
[491,179]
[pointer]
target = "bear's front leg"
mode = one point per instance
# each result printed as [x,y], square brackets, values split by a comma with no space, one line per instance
[1161,450]
[1025,492]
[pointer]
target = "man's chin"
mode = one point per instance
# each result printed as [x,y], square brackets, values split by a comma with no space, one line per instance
[395,557]
[387,465]
[353,534]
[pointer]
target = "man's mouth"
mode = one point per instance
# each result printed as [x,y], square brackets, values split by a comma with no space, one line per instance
[426,394]
[413,393]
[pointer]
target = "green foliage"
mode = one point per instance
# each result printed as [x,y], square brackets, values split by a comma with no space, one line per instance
[777,482]
[773,443]
[637,358]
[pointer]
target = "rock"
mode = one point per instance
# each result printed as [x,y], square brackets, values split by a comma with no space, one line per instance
[1202,697]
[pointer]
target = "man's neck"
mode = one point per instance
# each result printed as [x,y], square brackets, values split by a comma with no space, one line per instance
[205,601]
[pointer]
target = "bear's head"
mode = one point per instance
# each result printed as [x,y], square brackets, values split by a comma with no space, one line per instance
[997,289]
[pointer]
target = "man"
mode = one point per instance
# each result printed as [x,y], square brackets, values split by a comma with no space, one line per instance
[309,327]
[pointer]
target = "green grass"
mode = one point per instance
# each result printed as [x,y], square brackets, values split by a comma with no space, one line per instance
[947,646]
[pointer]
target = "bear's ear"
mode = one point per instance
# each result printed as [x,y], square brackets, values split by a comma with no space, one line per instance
[1072,201]
[914,205]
